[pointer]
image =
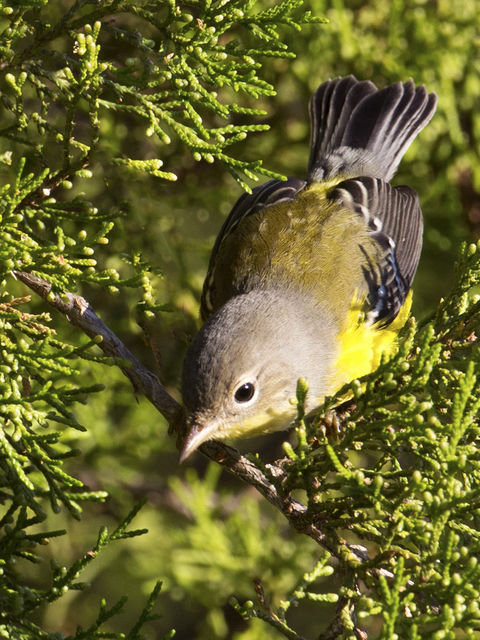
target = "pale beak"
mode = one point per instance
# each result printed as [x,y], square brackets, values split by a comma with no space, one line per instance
[197,435]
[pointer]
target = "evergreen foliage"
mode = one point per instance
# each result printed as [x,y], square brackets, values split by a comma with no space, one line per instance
[65,67]
[373,525]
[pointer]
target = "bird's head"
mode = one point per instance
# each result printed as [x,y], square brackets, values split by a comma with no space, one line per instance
[240,372]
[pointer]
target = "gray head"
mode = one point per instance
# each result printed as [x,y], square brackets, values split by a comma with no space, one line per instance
[241,371]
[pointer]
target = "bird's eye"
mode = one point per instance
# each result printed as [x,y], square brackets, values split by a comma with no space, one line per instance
[245,392]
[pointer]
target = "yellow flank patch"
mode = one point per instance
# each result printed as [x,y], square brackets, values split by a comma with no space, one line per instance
[362,345]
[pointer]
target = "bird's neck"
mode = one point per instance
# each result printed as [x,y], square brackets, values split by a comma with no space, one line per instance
[305,334]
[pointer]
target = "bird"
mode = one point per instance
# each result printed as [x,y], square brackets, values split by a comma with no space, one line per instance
[310,278]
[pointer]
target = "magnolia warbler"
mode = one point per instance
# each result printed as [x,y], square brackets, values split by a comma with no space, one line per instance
[310,278]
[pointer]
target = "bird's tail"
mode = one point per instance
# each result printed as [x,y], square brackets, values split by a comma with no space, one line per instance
[358,130]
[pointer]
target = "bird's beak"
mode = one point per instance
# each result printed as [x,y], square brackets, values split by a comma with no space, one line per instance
[197,434]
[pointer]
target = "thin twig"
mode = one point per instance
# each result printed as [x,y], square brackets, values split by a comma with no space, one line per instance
[241,467]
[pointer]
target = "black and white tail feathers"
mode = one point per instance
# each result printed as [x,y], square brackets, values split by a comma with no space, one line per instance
[358,130]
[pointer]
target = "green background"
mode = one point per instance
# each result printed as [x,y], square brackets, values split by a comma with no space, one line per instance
[209,537]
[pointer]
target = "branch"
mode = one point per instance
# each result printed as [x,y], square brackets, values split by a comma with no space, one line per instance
[79,313]
[242,468]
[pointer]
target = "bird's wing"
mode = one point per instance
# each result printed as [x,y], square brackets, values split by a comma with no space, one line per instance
[394,218]
[262,197]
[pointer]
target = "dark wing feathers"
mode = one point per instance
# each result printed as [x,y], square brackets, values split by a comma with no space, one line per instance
[394,217]
[271,192]
[262,197]
[392,214]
